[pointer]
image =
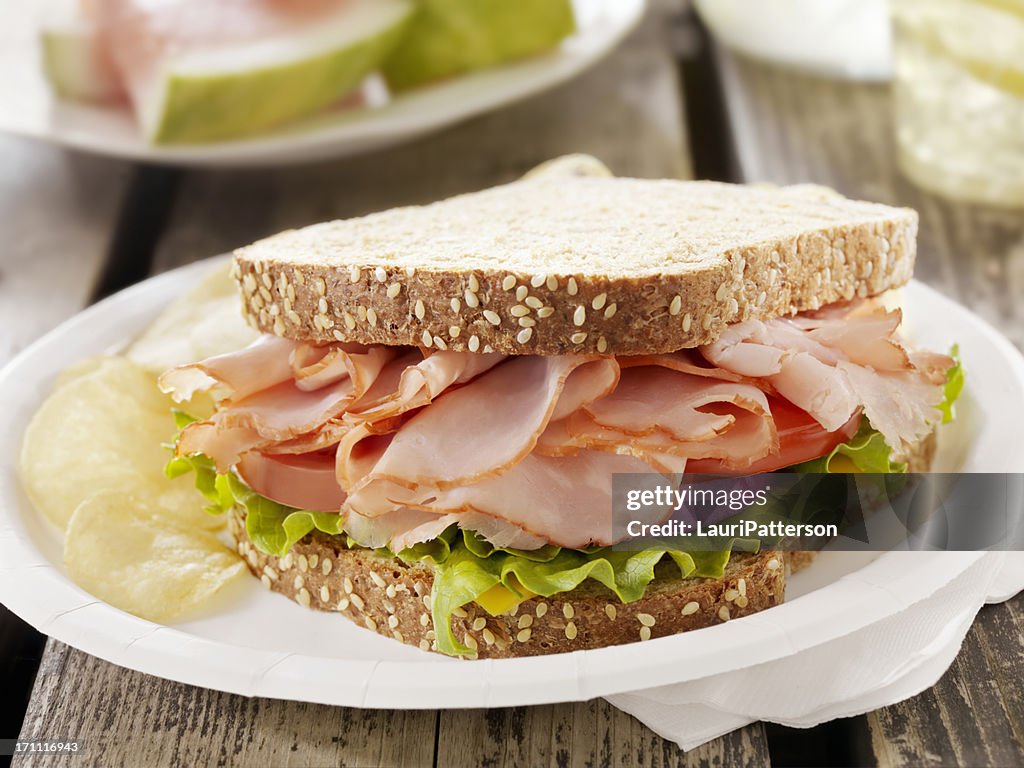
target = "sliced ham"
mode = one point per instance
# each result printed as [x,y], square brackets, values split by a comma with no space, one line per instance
[261,365]
[305,481]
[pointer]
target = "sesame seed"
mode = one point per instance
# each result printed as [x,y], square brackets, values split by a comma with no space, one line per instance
[388,606]
[357,601]
[424,619]
[278,327]
[524,635]
[424,645]
[426,338]
[474,343]
[460,612]
[320,285]
[578,338]
[249,283]
[470,641]
[722,292]
[354,273]
[270,573]
[646,619]
[571,286]
[376,579]
[610,311]
[691,607]
[599,300]
[522,292]
[456,305]
[645,633]
[393,290]
[731,594]
[542,608]
[611,611]
[547,312]
[350,322]
[347,584]
[570,631]
[298,583]
[552,283]
[286,562]
[325,593]
[761,298]
[741,587]
[303,598]
[419,309]
[361,313]
[602,345]
[343,604]
[265,580]
[488,636]
[454,331]
[474,284]
[534,302]
[723,613]
[706,322]
[524,335]
[509,282]
[398,636]
[676,306]
[526,620]
[772,564]
[479,623]
[393,621]
[519,311]
[492,317]
[527,322]
[303,563]
[471,299]
[579,317]
[267,281]
[321,305]
[371,316]
[538,280]
[380,274]
[440,343]
[488,349]
[370,623]
[687,321]
[418,588]
[327,565]
[294,317]
[742,601]
[568,611]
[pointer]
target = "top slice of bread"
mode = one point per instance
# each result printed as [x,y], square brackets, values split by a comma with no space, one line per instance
[560,263]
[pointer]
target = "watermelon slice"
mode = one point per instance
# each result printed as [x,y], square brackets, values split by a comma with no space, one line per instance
[209,70]
[448,37]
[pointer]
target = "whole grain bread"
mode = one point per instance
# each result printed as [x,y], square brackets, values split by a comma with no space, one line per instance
[570,260]
[392,598]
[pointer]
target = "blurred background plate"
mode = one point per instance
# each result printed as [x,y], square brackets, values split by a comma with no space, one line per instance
[29,108]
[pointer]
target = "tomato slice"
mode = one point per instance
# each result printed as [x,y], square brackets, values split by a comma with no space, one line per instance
[801,438]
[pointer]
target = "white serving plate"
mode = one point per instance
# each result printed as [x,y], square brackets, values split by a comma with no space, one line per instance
[258,643]
[29,108]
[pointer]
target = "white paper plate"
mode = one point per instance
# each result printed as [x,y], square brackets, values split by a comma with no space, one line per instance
[28,107]
[255,642]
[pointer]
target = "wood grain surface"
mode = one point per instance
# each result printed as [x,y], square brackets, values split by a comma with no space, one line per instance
[792,128]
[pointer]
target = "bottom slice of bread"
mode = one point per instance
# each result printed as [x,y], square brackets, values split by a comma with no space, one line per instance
[392,598]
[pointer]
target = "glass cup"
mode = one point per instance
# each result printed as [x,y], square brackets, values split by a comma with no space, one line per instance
[958,87]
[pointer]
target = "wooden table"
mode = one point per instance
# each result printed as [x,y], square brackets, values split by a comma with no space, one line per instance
[76,227]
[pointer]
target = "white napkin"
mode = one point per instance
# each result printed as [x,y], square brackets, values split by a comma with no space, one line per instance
[885,662]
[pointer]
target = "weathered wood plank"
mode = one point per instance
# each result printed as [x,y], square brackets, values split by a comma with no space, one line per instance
[128,718]
[592,733]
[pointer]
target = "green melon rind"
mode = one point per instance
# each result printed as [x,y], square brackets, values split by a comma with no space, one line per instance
[449,37]
[205,108]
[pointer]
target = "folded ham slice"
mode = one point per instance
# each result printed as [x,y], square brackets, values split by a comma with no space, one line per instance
[522,450]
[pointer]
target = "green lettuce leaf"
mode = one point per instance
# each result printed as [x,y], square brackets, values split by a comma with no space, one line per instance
[867,450]
[954,386]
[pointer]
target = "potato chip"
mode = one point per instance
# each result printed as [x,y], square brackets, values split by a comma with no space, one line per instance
[204,322]
[103,431]
[132,555]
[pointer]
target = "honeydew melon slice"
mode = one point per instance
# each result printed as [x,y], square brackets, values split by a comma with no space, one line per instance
[205,71]
[75,60]
[447,37]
